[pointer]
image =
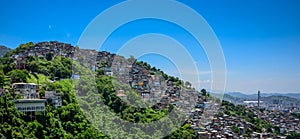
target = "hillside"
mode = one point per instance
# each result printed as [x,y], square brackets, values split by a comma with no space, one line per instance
[284,100]
[242,95]
[84,90]
[232,99]
[269,98]
[50,64]
[254,96]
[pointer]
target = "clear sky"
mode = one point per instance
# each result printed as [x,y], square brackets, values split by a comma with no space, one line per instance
[260,38]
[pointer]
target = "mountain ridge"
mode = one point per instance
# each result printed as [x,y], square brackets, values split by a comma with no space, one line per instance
[254,96]
[3,50]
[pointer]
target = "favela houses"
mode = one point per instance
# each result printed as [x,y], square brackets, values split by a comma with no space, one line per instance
[37,89]
[143,69]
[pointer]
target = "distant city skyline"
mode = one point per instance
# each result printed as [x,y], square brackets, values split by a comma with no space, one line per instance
[260,39]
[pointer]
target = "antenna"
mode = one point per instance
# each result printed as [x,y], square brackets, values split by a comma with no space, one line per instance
[258,97]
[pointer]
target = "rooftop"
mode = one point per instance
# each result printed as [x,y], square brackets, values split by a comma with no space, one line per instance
[29,100]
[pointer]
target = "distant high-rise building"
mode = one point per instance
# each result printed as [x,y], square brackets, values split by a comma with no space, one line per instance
[258,98]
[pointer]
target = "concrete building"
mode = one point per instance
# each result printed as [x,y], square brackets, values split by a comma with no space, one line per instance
[203,135]
[30,106]
[251,103]
[26,90]
[30,103]
[121,94]
[53,98]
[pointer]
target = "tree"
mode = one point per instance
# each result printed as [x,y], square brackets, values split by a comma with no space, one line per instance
[8,64]
[203,91]
[2,79]
[100,71]
[293,135]
[18,75]
[236,129]
[186,131]
[49,56]
[131,59]
[188,84]
[154,69]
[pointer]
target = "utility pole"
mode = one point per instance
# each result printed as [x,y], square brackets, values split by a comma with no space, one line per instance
[258,97]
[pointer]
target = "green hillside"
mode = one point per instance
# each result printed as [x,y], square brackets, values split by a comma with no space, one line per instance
[51,66]
[68,121]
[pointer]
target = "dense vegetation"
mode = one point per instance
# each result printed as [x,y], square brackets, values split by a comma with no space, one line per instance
[154,70]
[81,103]
[107,86]
[68,121]
[259,125]
[293,135]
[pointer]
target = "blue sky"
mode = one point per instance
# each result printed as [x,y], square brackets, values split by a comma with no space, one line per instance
[260,38]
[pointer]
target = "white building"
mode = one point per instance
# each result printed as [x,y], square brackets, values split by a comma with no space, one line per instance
[30,102]
[252,103]
[54,98]
[30,105]
[26,90]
